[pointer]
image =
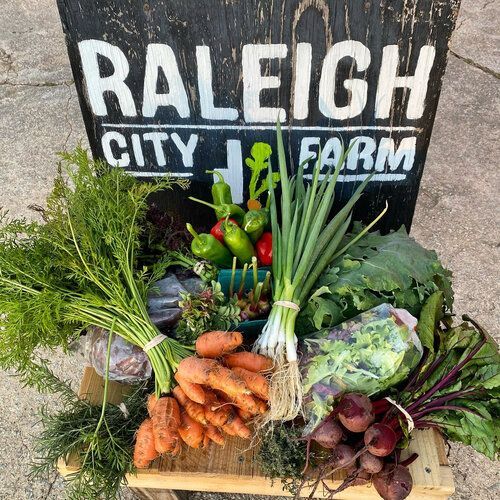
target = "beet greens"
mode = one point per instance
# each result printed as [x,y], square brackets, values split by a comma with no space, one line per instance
[455,388]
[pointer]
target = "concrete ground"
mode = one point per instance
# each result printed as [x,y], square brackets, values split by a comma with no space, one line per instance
[457,211]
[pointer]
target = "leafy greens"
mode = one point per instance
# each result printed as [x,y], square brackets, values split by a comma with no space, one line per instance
[79,267]
[377,269]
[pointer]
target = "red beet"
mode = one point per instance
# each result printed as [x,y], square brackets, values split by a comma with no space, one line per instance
[380,440]
[328,434]
[370,463]
[355,412]
[394,482]
[342,456]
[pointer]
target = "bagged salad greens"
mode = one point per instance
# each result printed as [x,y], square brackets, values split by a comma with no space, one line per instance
[368,354]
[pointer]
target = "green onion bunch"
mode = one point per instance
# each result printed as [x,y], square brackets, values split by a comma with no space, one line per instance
[305,242]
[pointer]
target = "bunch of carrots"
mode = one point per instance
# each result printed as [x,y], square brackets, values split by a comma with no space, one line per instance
[219,391]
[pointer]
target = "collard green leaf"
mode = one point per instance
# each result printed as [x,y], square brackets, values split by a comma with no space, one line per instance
[379,268]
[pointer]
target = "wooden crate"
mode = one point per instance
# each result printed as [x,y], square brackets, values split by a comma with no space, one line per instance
[232,469]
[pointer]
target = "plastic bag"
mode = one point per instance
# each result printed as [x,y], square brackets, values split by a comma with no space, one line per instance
[163,300]
[128,363]
[368,354]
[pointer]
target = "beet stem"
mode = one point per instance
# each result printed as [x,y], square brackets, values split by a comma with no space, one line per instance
[444,408]
[448,378]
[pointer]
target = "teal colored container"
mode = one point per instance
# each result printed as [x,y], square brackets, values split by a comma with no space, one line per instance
[250,329]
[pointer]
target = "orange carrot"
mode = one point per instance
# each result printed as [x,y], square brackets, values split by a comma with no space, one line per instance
[248,360]
[261,405]
[152,400]
[166,421]
[206,439]
[248,403]
[144,450]
[217,343]
[236,426]
[210,372]
[255,382]
[244,415]
[194,410]
[215,412]
[196,370]
[214,434]
[191,431]
[193,391]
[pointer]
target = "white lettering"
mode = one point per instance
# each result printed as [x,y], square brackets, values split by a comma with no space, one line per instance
[332,145]
[302,81]
[97,85]
[156,138]
[305,151]
[233,175]
[205,87]
[365,154]
[405,153]
[186,150]
[254,82]
[137,148]
[357,88]
[162,56]
[107,138]
[388,81]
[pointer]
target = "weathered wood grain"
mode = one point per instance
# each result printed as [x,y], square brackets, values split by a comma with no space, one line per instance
[225,28]
[232,469]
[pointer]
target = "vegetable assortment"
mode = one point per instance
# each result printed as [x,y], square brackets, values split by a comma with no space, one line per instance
[358,348]
[238,233]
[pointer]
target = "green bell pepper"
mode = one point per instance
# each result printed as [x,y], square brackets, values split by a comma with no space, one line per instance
[210,248]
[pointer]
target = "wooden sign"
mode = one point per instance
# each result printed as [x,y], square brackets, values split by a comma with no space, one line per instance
[183,86]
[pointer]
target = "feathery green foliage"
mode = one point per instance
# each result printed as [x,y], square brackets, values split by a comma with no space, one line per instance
[79,267]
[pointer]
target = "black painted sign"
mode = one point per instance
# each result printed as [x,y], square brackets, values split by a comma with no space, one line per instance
[183,86]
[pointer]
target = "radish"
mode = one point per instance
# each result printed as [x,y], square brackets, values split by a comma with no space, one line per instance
[370,463]
[380,440]
[355,412]
[394,482]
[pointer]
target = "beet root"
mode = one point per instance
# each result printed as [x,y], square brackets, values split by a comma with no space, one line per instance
[394,482]
[380,440]
[355,412]
[370,463]
[342,456]
[328,435]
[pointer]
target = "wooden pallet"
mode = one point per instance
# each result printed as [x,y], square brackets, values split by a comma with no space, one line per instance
[232,469]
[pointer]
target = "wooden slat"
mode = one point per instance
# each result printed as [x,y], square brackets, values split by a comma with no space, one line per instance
[232,469]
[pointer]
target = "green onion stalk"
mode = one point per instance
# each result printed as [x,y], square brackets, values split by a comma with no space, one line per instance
[305,242]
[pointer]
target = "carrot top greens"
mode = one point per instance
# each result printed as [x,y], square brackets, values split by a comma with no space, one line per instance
[79,267]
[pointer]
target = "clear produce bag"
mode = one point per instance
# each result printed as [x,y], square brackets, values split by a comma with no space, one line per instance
[128,363]
[368,354]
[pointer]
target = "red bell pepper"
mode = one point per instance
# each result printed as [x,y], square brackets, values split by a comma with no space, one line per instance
[216,231]
[264,249]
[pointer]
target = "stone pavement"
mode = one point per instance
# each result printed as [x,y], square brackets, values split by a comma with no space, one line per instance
[457,212]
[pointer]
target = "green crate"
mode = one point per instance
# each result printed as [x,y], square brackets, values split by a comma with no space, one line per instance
[250,329]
